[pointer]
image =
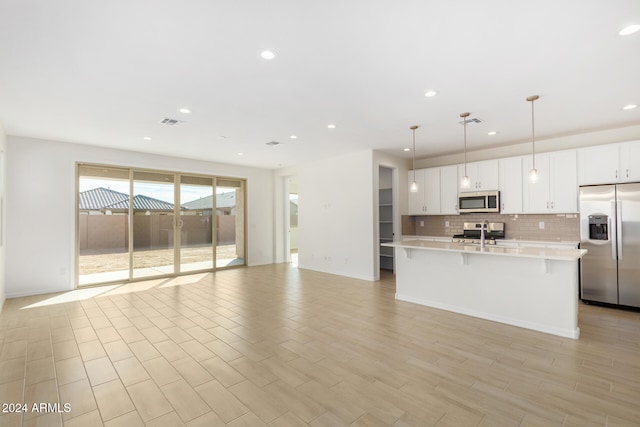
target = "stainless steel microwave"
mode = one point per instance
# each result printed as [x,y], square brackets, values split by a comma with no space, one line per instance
[479,201]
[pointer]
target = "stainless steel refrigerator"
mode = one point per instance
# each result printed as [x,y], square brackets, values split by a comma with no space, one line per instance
[610,231]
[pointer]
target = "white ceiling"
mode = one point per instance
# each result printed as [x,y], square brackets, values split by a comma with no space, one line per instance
[106,72]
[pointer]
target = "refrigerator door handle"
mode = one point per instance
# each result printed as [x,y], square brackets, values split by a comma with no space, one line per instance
[619,227]
[611,240]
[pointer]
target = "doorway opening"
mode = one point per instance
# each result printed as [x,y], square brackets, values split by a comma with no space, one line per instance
[292,204]
[386,216]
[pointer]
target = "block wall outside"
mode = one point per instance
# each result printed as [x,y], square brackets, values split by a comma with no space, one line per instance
[100,233]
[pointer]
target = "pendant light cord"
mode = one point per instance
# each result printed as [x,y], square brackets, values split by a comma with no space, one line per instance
[533,134]
[413,128]
[465,145]
[464,125]
[532,99]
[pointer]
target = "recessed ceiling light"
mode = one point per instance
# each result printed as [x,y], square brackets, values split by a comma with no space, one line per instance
[430,93]
[406,149]
[294,137]
[185,111]
[240,154]
[629,107]
[491,133]
[331,126]
[146,138]
[629,29]
[268,54]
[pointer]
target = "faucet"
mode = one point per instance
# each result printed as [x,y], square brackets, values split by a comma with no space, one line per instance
[483,226]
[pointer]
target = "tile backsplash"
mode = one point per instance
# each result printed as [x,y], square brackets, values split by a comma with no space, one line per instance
[557,227]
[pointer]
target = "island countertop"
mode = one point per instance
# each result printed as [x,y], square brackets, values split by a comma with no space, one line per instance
[559,254]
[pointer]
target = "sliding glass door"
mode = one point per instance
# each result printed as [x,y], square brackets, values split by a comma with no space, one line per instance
[136,224]
[102,224]
[196,223]
[154,224]
[230,227]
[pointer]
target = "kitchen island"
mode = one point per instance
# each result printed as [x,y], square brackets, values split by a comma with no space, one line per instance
[530,287]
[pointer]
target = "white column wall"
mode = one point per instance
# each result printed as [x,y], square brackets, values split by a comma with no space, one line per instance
[336,222]
[281,219]
[40,209]
[3,228]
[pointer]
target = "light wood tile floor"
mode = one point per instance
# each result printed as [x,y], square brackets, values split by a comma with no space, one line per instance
[278,346]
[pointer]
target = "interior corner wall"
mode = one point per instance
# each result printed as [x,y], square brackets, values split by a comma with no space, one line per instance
[3,186]
[40,211]
[335,215]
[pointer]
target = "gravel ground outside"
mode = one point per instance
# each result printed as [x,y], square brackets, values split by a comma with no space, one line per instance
[104,262]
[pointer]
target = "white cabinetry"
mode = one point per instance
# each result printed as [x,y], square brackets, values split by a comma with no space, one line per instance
[556,190]
[426,201]
[416,200]
[630,161]
[437,191]
[510,185]
[599,165]
[449,190]
[482,175]
[608,164]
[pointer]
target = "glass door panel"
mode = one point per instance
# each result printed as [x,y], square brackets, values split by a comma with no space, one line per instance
[230,219]
[153,224]
[196,225]
[103,224]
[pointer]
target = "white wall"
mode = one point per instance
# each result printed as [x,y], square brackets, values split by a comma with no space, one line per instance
[3,186]
[41,183]
[336,221]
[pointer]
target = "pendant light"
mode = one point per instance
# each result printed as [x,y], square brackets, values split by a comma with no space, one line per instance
[533,173]
[414,184]
[465,178]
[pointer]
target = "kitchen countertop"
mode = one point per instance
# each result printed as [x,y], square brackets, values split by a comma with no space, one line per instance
[500,241]
[521,251]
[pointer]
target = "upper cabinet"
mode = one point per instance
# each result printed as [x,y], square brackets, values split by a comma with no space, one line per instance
[437,191]
[426,201]
[556,190]
[449,190]
[608,164]
[511,185]
[630,161]
[599,165]
[482,175]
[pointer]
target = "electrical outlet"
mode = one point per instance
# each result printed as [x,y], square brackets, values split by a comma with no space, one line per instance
[421,223]
[446,224]
[541,225]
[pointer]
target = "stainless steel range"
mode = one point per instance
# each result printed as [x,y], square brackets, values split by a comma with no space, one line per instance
[473,230]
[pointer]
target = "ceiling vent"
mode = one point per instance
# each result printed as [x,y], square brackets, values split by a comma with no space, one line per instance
[471,121]
[273,143]
[171,122]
